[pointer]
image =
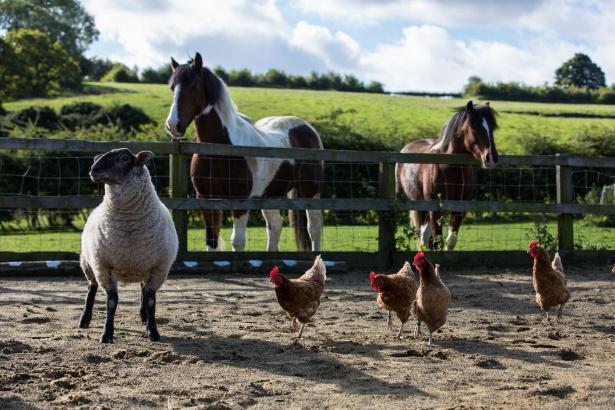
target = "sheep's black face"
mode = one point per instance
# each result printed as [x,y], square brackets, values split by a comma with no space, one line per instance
[115,166]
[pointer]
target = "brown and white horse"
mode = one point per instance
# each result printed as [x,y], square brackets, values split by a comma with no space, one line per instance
[201,96]
[469,131]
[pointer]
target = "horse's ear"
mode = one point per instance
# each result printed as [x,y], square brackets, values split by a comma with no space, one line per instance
[198,61]
[174,64]
[469,106]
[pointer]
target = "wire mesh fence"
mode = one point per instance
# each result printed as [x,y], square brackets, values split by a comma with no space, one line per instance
[67,174]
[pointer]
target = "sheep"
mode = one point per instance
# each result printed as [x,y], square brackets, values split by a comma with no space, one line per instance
[129,237]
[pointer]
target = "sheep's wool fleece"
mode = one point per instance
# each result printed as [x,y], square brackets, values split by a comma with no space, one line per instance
[130,236]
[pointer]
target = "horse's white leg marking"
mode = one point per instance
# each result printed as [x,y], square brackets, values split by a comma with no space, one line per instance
[220,246]
[238,237]
[451,240]
[274,228]
[425,233]
[173,118]
[314,226]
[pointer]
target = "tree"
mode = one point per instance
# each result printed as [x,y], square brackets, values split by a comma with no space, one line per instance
[580,71]
[43,66]
[64,21]
[120,74]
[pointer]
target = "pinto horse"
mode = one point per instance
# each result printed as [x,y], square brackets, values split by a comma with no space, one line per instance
[469,131]
[201,96]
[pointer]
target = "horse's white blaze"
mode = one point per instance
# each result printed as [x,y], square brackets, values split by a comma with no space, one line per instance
[486,127]
[425,234]
[173,118]
[239,236]
[274,228]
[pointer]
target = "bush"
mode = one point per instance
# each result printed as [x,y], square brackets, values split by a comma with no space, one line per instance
[125,116]
[81,108]
[120,74]
[156,76]
[42,117]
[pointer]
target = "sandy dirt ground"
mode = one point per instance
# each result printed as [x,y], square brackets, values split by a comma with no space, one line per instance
[226,344]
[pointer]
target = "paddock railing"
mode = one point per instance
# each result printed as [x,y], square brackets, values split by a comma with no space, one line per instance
[386,203]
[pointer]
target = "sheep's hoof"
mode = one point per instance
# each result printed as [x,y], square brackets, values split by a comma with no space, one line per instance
[154,337]
[84,325]
[106,339]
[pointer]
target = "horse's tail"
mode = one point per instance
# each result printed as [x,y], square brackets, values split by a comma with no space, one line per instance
[298,220]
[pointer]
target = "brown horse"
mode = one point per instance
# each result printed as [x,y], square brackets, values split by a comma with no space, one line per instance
[469,131]
[202,97]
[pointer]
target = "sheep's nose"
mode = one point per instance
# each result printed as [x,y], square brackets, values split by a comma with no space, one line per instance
[95,168]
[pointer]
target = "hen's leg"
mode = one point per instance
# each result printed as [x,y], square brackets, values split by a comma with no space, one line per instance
[559,313]
[296,339]
[548,318]
[429,343]
[400,329]
[389,324]
[417,329]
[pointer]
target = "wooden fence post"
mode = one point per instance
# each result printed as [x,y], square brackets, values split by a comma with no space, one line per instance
[386,219]
[179,177]
[565,194]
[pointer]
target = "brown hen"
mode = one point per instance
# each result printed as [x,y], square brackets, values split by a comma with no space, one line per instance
[548,279]
[396,293]
[432,297]
[300,297]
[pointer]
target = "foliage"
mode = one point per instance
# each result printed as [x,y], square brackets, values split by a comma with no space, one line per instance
[63,21]
[580,71]
[125,116]
[274,78]
[43,117]
[541,233]
[120,74]
[158,76]
[95,68]
[38,67]
[599,195]
[519,92]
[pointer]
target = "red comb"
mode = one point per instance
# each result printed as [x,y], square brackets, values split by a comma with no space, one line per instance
[372,276]
[274,272]
[419,255]
[533,244]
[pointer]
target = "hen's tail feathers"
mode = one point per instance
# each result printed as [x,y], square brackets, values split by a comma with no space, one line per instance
[319,266]
[557,263]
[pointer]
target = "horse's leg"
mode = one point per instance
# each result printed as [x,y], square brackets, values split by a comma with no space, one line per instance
[212,219]
[453,229]
[314,225]
[419,221]
[240,225]
[273,219]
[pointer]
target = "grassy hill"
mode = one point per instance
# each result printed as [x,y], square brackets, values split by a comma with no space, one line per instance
[351,120]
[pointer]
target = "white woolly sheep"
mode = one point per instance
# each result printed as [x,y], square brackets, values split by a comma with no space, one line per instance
[129,237]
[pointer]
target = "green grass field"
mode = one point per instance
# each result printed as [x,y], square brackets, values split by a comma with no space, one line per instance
[389,120]
[476,236]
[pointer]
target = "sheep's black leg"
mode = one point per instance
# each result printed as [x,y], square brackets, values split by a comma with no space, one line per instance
[142,310]
[112,301]
[150,309]
[86,316]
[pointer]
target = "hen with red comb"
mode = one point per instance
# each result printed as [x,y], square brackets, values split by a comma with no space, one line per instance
[396,293]
[300,297]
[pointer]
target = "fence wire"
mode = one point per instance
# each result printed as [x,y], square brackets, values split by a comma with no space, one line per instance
[62,175]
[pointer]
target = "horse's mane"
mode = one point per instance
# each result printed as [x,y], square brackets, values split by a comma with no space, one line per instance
[216,92]
[449,130]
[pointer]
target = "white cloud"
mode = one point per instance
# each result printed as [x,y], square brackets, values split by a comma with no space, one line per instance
[338,51]
[148,30]
[441,12]
[428,58]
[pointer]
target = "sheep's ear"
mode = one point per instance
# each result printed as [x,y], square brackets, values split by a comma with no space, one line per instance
[143,158]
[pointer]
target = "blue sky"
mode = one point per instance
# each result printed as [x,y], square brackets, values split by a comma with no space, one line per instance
[416,45]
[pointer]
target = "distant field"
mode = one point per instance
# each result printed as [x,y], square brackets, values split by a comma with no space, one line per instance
[390,120]
[476,236]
